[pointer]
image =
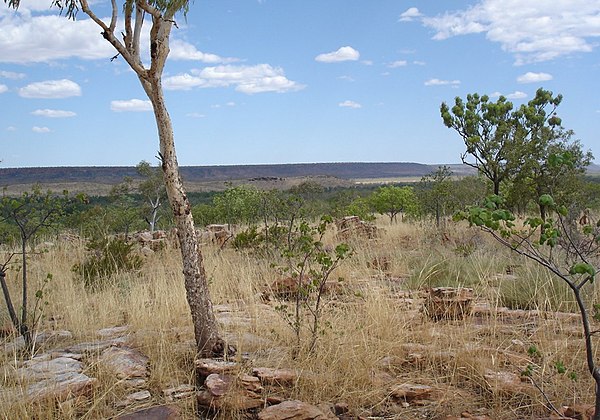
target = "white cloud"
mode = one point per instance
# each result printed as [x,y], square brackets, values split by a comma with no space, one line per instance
[398,63]
[25,39]
[346,78]
[11,75]
[181,50]
[11,128]
[342,54]
[246,79]
[53,113]
[132,105]
[350,104]
[439,82]
[367,62]
[532,30]
[51,89]
[515,95]
[419,63]
[531,77]
[410,15]
[195,115]
[37,129]
[3,88]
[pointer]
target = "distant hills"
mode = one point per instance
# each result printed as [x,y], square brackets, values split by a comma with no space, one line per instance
[115,174]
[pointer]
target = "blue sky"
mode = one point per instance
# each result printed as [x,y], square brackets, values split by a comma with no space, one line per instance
[286,81]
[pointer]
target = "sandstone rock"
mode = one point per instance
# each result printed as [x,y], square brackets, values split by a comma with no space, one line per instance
[146,252]
[113,332]
[350,226]
[134,398]
[179,392]
[505,383]
[411,392]
[448,303]
[283,289]
[61,387]
[272,376]
[144,236]
[162,412]
[41,339]
[36,369]
[292,410]
[125,361]
[229,392]
[578,411]
[205,367]
[96,347]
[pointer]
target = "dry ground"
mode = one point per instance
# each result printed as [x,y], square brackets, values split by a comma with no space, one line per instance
[376,335]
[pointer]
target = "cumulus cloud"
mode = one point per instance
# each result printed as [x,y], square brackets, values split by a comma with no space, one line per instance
[37,129]
[439,82]
[3,88]
[350,104]
[532,30]
[398,63]
[181,50]
[515,95]
[53,113]
[410,14]
[531,77]
[11,75]
[132,105]
[25,39]
[246,79]
[33,38]
[343,54]
[51,89]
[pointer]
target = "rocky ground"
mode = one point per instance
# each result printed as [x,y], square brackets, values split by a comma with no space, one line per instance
[66,373]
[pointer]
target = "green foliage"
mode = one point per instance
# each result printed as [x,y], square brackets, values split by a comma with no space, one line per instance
[392,200]
[310,263]
[106,257]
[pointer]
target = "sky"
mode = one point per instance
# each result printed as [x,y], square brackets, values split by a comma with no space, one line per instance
[291,81]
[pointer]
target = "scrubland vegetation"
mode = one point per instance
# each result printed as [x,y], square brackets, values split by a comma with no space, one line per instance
[373,332]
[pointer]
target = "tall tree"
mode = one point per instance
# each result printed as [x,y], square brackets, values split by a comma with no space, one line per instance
[161,14]
[497,138]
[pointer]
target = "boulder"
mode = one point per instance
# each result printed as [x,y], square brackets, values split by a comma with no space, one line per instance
[448,303]
[61,387]
[230,392]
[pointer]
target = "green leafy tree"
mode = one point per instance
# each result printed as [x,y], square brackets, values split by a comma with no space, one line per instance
[127,42]
[498,139]
[435,194]
[29,215]
[238,205]
[392,200]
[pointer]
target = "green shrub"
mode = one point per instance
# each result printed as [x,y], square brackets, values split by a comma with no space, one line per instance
[107,256]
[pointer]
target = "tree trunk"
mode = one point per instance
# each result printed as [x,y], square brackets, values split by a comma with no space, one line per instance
[208,341]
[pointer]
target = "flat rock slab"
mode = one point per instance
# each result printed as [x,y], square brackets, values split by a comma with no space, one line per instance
[272,376]
[34,370]
[411,392]
[125,361]
[207,367]
[61,387]
[162,412]
[292,410]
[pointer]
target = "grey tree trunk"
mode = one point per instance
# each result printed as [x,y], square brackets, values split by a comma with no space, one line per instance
[205,326]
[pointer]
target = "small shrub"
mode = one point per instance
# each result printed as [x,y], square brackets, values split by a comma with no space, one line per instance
[107,256]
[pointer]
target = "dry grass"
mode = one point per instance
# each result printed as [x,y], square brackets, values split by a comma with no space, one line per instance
[376,335]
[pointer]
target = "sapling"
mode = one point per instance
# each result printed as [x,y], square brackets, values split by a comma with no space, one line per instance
[552,244]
